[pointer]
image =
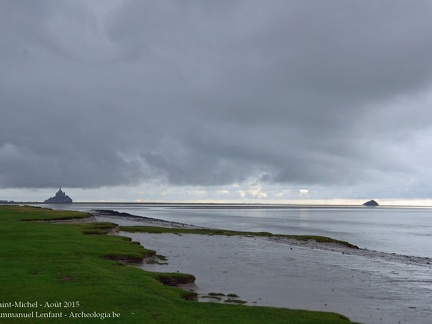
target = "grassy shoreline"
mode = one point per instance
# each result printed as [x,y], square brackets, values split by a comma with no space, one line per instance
[203,231]
[66,270]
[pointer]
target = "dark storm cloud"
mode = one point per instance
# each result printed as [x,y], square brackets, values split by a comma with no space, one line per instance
[97,93]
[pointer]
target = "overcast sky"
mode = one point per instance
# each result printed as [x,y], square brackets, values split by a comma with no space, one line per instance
[221,100]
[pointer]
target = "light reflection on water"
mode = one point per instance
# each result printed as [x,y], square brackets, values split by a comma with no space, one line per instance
[395,230]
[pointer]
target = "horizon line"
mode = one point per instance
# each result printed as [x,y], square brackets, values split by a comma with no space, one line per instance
[299,204]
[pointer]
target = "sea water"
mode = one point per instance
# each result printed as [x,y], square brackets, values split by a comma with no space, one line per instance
[406,231]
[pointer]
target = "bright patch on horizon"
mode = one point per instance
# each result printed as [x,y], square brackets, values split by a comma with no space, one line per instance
[257,192]
[242,193]
[223,192]
[304,192]
[281,193]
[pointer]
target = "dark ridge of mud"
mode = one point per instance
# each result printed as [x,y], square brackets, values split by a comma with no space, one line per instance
[155,221]
[363,252]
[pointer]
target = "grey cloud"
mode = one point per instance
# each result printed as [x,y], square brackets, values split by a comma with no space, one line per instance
[202,93]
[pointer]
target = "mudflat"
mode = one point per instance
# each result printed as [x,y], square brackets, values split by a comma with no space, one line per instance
[367,286]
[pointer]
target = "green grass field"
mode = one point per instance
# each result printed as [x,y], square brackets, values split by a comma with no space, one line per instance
[65,273]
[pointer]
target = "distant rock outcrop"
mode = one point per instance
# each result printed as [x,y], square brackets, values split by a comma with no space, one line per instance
[60,197]
[371,203]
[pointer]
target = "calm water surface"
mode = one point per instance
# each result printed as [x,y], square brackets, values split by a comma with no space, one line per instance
[396,230]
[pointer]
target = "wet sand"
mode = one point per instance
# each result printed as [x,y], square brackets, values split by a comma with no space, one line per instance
[367,286]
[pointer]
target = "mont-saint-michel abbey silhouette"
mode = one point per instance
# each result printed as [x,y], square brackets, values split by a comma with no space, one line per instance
[60,197]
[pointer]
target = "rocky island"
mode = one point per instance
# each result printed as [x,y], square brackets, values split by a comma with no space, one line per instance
[60,197]
[371,203]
